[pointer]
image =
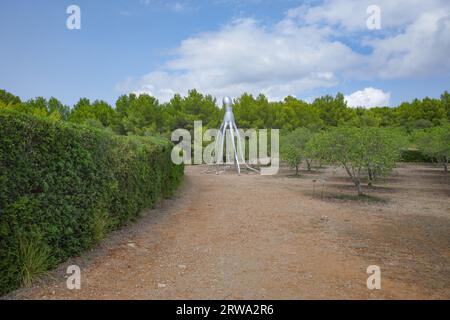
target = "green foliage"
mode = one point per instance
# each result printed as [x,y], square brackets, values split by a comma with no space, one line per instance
[382,151]
[293,148]
[33,260]
[292,156]
[445,99]
[421,114]
[52,108]
[100,225]
[97,113]
[63,186]
[251,112]
[334,111]
[9,98]
[139,114]
[181,112]
[144,115]
[435,143]
[362,152]
[414,155]
[316,147]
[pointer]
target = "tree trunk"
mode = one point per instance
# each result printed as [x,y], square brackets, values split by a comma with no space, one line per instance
[355,178]
[369,171]
[446,167]
[358,186]
[308,163]
[296,170]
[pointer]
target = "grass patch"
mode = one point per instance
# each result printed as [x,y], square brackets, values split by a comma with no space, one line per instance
[34,259]
[99,225]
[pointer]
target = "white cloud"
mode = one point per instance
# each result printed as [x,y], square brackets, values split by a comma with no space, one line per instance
[247,57]
[300,53]
[368,98]
[351,15]
[177,6]
[423,48]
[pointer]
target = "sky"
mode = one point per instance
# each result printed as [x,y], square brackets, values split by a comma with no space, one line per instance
[227,47]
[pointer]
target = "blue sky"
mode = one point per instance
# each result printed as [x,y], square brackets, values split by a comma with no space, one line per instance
[226,47]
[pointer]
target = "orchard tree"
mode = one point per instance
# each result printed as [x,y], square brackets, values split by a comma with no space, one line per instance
[383,149]
[343,146]
[435,143]
[358,151]
[316,148]
[293,148]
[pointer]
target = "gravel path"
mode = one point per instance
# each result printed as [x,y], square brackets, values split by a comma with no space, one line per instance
[255,237]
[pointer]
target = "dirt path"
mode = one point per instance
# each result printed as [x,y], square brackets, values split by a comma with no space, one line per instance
[230,237]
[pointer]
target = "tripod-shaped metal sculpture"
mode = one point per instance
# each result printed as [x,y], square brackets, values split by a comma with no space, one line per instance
[229,123]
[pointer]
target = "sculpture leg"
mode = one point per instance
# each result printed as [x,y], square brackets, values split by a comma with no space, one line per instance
[239,143]
[217,151]
[241,150]
[217,144]
[222,142]
[234,148]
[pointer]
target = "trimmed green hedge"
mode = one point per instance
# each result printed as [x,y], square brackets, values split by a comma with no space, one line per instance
[63,187]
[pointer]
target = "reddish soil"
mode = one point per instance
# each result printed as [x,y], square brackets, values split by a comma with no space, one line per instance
[267,237]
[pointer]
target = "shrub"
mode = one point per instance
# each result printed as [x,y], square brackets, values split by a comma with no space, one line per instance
[362,152]
[293,148]
[435,144]
[414,155]
[63,186]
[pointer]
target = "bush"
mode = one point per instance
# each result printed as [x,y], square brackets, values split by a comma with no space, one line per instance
[63,186]
[435,144]
[293,148]
[414,155]
[362,152]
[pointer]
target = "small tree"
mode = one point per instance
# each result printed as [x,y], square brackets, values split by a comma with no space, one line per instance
[316,149]
[293,148]
[344,146]
[383,150]
[358,150]
[435,143]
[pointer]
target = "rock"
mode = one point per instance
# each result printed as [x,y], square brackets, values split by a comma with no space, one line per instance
[161,285]
[132,245]
[182,266]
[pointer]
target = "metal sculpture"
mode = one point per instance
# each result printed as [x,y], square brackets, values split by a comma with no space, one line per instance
[229,123]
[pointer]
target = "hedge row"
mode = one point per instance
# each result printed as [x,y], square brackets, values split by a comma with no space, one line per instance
[63,187]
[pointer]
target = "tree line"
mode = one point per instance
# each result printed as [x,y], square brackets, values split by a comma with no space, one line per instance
[145,115]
